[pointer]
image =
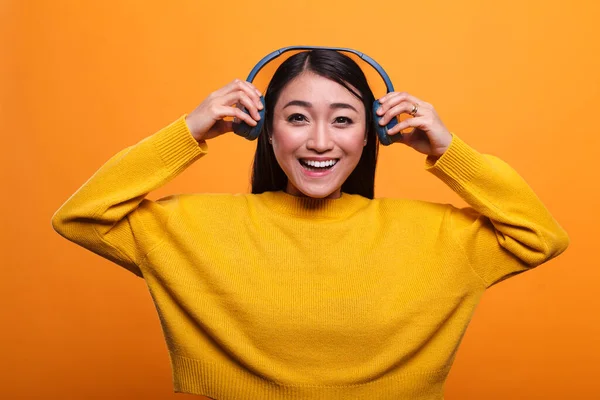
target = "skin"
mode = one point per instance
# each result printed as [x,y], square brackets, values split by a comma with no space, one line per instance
[428,136]
[315,117]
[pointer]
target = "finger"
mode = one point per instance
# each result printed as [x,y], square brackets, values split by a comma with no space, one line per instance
[240,97]
[258,93]
[254,94]
[239,114]
[386,97]
[393,98]
[249,105]
[227,88]
[391,95]
[417,122]
[244,86]
[228,111]
[403,107]
[223,126]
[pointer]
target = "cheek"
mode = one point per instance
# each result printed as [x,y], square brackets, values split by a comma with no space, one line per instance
[282,153]
[285,144]
[353,143]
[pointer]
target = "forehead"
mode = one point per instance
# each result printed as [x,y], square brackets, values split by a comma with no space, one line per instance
[317,89]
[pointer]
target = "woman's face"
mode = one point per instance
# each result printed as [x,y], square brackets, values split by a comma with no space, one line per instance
[319,133]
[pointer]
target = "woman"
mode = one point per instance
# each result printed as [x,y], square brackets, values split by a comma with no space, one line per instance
[309,288]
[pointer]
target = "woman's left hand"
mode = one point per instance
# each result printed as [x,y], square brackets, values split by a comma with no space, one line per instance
[429,135]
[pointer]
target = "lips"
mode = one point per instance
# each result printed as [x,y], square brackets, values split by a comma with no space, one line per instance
[318,164]
[317,168]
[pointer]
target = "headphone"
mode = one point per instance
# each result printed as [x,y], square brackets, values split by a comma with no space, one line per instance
[252,132]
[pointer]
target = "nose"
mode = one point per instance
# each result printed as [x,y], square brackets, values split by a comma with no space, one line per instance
[319,139]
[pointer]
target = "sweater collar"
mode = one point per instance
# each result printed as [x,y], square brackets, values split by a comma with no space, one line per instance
[308,207]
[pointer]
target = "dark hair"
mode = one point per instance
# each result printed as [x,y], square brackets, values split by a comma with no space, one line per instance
[267,175]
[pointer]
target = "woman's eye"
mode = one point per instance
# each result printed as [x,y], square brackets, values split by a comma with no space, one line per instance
[296,118]
[343,120]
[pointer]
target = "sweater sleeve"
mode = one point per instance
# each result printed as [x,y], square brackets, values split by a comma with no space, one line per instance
[506,230]
[100,214]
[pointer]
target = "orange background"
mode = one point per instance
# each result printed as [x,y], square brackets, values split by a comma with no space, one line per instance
[81,80]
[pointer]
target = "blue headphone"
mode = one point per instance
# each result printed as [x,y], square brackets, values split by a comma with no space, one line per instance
[252,132]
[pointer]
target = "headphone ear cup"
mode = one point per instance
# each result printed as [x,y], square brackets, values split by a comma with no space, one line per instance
[382,131]
[244,130]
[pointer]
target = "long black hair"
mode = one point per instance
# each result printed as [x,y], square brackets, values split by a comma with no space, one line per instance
[267,175]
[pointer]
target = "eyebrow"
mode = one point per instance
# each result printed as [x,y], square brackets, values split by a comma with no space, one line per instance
[306,104]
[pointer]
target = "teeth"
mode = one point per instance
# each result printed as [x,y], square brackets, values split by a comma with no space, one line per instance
[320,164]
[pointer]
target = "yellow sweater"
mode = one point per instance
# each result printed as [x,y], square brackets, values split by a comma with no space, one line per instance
[273,296]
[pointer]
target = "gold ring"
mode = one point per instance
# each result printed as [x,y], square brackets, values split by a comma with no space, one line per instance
[414,110]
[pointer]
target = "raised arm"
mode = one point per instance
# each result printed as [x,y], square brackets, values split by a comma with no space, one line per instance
[507,229]
[110,215]
[100,215]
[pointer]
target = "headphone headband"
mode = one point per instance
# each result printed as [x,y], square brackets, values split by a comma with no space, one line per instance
[265,60]
[252,132]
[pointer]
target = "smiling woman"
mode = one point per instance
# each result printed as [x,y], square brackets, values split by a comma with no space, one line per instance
[309,287]
[317,143]
[319,108]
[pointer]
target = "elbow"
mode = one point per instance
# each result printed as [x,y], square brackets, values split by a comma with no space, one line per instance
[558,242]
[60,224]
[65,224]
[538,246]
[555,242]
[57,222]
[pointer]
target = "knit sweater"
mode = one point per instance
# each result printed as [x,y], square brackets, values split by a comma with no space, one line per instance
[272,296]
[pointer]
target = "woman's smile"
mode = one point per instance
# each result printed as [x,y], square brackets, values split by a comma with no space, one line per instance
[317,167]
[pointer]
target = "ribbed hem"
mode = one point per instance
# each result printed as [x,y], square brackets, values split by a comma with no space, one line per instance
[224,382]
[177,147]
[457,166]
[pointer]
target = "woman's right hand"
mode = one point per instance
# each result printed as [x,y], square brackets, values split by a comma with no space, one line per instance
[206,121]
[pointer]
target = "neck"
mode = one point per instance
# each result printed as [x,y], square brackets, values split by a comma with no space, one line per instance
[292,190]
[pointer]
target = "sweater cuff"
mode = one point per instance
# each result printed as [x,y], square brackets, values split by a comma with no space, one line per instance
[177,147]
[457,166]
